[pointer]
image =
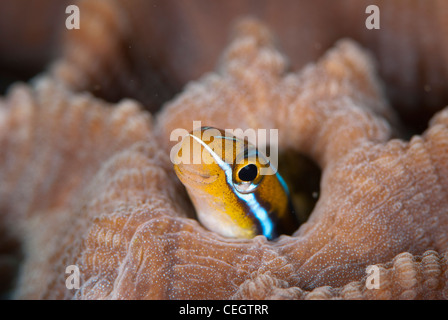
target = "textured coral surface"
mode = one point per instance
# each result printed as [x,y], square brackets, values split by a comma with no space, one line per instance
[89,183]
[148,49]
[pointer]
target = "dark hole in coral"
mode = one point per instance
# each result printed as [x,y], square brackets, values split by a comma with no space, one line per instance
[8,76]
[10,258]
[144,79]
[302,175]
[416,100]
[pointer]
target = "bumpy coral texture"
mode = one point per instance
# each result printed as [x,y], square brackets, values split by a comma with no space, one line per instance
[148,49]
[90,184]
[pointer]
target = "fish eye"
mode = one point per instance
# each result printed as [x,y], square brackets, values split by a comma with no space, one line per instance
[248,173]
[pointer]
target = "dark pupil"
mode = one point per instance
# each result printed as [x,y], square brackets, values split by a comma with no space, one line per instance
[248,173]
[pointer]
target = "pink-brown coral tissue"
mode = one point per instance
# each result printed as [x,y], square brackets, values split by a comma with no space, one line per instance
[87,182]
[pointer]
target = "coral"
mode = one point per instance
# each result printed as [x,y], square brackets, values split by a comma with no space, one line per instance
[112,59]
[53,143]
[378,198]
[406,277]
[254,90]
[89,183]
[148,49]
[29,42]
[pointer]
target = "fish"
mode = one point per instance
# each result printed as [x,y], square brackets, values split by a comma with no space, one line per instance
[234,188]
